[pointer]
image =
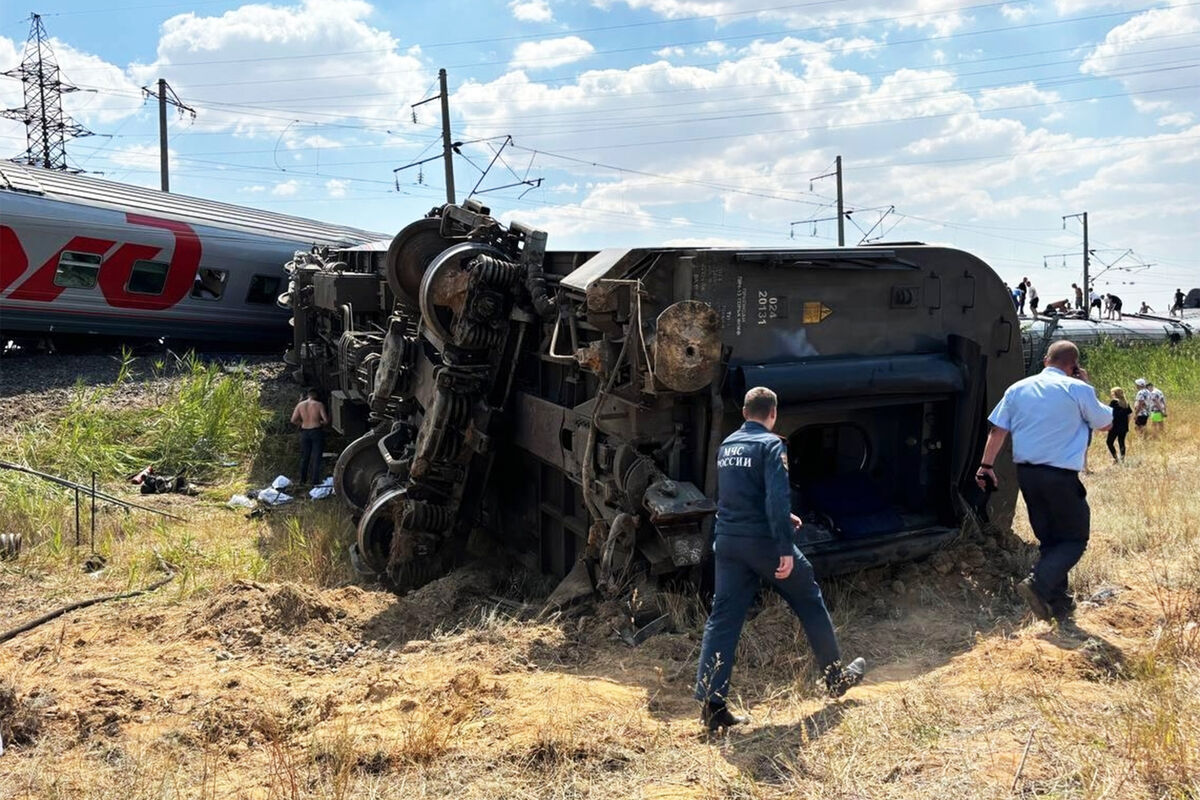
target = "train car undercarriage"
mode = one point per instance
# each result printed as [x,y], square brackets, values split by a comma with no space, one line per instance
[569,404]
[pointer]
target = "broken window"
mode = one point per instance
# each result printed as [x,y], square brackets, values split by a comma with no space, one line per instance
[77,270]
[209,283]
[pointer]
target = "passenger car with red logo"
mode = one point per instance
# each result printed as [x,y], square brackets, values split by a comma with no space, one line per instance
[85,257]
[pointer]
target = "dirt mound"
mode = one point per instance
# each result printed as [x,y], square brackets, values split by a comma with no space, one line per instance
[20,720]
[245,611]
[443,604]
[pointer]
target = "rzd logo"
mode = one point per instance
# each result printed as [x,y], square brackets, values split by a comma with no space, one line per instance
[114,271]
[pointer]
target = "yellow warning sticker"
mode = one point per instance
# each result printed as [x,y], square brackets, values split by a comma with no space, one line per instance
[815,312]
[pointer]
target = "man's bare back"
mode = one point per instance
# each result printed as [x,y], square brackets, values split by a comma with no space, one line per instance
[309,414]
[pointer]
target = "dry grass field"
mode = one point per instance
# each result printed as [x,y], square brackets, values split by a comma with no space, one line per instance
[263,671]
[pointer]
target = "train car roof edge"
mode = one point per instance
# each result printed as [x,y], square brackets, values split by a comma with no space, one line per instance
[54,185]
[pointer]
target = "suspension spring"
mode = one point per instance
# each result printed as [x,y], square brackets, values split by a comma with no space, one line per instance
[478,337]
[422,516]
[496,272]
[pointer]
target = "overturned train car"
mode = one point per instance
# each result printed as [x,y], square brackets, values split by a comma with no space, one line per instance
[570,404]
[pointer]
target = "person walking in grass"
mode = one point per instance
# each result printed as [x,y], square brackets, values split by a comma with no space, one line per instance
[752,544]
[310,415]
[1121,412]
[1141,406]
[1049,416]
[1156,402]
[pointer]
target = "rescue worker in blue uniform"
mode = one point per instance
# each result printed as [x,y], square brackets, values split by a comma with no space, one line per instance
[753,543]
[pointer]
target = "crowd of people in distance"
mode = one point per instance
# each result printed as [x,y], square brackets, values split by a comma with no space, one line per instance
[1108,306]
[1149,412]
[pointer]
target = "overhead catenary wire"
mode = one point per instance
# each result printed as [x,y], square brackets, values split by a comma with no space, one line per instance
[815,29]
[856,166]
[809,82]
[539,121]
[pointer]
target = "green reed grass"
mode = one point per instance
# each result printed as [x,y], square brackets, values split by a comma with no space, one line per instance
[1174,368]
[204,419]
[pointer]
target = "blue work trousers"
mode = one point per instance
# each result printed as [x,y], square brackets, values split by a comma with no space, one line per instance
[1061,520]
[742,564]
[312,445]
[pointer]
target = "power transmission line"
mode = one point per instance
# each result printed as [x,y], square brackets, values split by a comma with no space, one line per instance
[47,128]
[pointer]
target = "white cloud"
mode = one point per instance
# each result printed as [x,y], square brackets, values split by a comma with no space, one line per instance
[257,188]
[1128,55]
[1016,13]
[1070,7]
[1176,120]
[1015,96]
[314,141]
[336,188]
[939,16]
[667,52]
[255,68]
[141,157]
[287,188]
[531,10]
[739,141]
[551,52]
[713,48]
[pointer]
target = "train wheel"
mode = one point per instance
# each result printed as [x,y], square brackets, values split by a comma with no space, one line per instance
[356,469]
[444,289]
[409,255]
[376,528]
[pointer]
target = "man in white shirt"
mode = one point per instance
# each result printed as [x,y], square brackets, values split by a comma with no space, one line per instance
[1049,416]
[1094,301]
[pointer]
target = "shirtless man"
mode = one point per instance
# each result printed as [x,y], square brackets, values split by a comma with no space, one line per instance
[310,415]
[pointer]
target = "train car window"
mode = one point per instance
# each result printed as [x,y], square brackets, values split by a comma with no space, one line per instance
[263,289]
[209,283]
[147,277]
[77,270]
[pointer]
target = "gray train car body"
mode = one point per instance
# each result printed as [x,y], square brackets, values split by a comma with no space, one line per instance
[81,257]
[1131,329]
[571,404]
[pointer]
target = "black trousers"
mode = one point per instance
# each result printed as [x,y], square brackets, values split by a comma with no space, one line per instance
[1061,519]
[312,445]
[1116,437]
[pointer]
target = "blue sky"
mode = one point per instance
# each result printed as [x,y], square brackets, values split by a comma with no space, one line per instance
[675,121]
